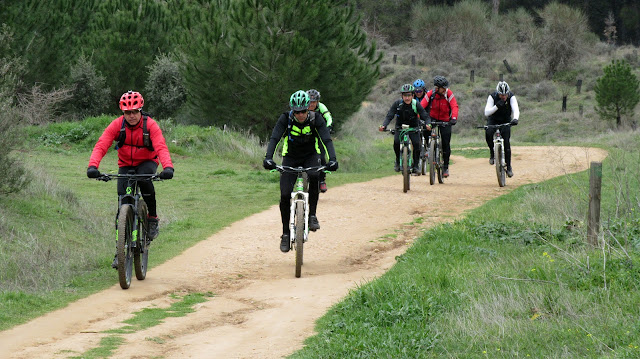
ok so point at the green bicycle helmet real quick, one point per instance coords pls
(407, 88)
(299, 101)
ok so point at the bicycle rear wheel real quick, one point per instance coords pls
(432, 162)
(141, 251)
(299, 238)
(439, 167)
(500, 172)
(406, 175)
(124, 251)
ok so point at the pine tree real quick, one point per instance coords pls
(241, 69)
(617, 91)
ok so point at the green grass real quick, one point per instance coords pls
(144, 319)
(513, 279)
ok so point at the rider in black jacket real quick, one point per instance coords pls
(407, 111)
(501, 107)
(302, 132)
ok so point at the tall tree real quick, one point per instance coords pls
(124, 38)
(617, 91)
(242, 72)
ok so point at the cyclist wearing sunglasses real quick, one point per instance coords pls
(140, 145)
(302, 133)
(442, 106)
(406, 111)
(419, 91)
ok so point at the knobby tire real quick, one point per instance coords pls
(141, 252)
(500, 171)
(299, 238)
(439, 167)
(405, 169)
(123, 247)
(432, 162)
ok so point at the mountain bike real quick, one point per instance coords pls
(436, 163)
(405, 154)
(299, 213)
(498, 151)
(132, 228)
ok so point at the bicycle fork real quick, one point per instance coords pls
(499, 142)
(295, 198)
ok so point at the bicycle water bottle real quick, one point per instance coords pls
(299, 184)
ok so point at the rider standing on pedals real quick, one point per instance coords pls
(443, 107)
(406, 110)
(317, 106)
(303, 132)
(134, 153)
(502, 107)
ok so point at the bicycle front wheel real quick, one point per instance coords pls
(405, 169)
(124, 250)
(500, 172)
(432, 162)
(141, 251)
(439, 167)
(299, 239)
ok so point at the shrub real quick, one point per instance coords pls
(562, 39)
(165, 91)
(89, 92)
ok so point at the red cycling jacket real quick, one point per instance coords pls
(443, 108)
(133, 152)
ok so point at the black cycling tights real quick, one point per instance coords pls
(146, 187)
(505, 132)
(287, 180)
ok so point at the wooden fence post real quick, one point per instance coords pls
(501, 77)
(395, 57)
(472, 77)
(580, 110)
(564, 103)
(413, 60)
(595, 195)
(578, 85)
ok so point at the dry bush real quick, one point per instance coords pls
(561, 41)
(40, 107)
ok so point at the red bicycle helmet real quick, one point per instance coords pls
(131, 100)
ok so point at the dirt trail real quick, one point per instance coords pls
(260, 309)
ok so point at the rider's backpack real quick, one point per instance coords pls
(146, 138)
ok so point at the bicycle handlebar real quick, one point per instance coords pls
(495, 126)
(139, 177)
(300, 169)
(440, 123)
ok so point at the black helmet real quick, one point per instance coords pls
(502, 88)
(440, 81)
(407, 88)
(314, 95)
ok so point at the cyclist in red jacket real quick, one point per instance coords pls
(140, 145)
(442, 106)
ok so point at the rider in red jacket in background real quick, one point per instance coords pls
(133, 153)
(443, 107)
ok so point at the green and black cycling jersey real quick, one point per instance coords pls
(301, 140)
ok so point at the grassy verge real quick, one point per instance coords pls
(514, 279)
